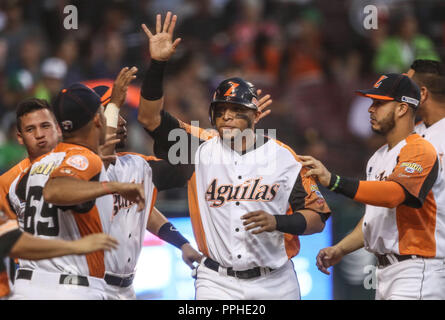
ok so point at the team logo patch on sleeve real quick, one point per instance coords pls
(314, 188)
(78, 162)
(411, 167)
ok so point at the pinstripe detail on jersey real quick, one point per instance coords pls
(195, 216)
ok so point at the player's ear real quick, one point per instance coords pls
(402, 109)
(19, 137)
(423, 94)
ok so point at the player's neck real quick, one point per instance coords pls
(400, 132)
(247, 143)
(435, 113)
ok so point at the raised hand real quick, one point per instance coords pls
(263, 103)
(120, 86)
(162, 45)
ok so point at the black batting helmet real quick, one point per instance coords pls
(236, 91)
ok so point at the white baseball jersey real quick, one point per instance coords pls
(45, 220)
(129, 225)
(412, 227)
(224, 185)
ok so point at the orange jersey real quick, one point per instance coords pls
(45, 220)
(410, 228)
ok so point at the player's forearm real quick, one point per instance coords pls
(155, 221)
(302, 222)
(152, 100)
(66, 191)
(352, 241)
(388, 194)
(34, 248)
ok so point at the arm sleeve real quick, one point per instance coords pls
(166, 176)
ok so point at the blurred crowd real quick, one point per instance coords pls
(310, 55)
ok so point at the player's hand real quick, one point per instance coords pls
(94, 242)
(259, 219)
(133, 192)
(120, 85)
(263, 103)
(190, 255)
(161, 45)
(104, 149)
(328, 257)
(317, 169)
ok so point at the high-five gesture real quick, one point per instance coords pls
(161, 44)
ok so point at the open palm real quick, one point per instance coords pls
(162, 45)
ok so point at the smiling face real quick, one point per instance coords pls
(382, 114)
(39, 132)
(232, 119)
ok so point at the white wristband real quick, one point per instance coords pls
(112, 115)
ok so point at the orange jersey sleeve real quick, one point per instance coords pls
(79, 163)
(313, 200)
(417, 167)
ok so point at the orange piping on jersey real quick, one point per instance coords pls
(147, 158)
(153, 199)
(195, 216)
(388, 194)
(4, 284)
(417, 228)
(89, 223)
(291, 242)
(197, 131)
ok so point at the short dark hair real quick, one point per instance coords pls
(431, 74)
(30, 105)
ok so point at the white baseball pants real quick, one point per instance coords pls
(412, 279)
(279, 284)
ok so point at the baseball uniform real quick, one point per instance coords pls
(68, 277)
(128, 225)
(409, 239)
(223, 185)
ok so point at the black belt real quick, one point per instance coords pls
(244, 274)
(64, 278)
(384, 261)
(119, 281)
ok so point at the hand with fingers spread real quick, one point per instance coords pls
(328, 257)
(162, 45)
(120, 86)
(316, 168)
(263, 103)
(94, 242)
(259, 219)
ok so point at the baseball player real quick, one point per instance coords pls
(128, 223)
(18, 244)
(74, 167)
(246, 220)
(403, 223)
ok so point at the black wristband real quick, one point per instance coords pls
(169, 234)
(294, 224)
(344, 185)
(151, 88)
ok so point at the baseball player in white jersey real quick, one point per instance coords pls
(74, 168)
(247, 208)
(403, 224)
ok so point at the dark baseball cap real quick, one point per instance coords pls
(394, 86)
(75, 106)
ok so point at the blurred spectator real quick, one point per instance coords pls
(11, 152)
(397, 52)
(53, 75)
(68, 51)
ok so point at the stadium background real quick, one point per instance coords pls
(310, 55)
